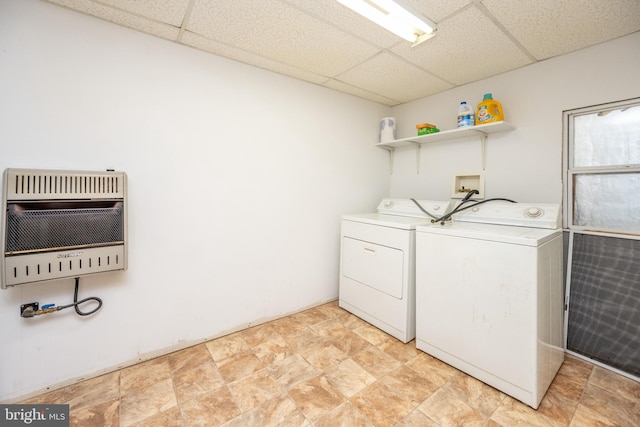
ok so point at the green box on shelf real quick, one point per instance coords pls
(425, 129)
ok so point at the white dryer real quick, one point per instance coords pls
(377, 264)
(489, 295)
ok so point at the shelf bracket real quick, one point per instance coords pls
(483, 143)
(391, 151)
(418, 158)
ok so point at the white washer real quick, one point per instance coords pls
(377, 264)
(489, 295)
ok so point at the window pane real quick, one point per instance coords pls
(607, 138)
(607, 201)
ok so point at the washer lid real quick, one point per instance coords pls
(525, 236)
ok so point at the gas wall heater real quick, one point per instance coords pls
(59, 224)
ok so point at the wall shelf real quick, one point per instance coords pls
(481, 131)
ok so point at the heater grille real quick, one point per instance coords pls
(35, 228)
(62, 224)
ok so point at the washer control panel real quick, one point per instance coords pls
(536, 215)
(533, 212)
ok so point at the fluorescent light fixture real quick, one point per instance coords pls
(410, 25)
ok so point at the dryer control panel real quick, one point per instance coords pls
(408, 207)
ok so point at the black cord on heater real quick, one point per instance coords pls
(76, 303)
(30, 310)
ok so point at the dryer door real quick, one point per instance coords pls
(379, 267)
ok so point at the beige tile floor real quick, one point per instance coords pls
(325, 367)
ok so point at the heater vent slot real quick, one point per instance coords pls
(42, 266)
(36, 185)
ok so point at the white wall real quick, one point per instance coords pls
(524, 164)
(237, 180)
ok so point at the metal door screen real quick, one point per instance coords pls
(604, 301)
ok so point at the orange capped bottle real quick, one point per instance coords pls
(489, 111)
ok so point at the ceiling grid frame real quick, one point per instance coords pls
(334, 47)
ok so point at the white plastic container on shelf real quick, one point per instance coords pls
(466, 116)
(387, 129)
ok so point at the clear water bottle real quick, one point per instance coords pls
(466, 116)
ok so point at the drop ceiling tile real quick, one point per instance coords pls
(548, 28)
(279, 32)
(120, 17)
(467, 47)
(392, 77)
(167, 11)
(436, 10)
(361, 93)
(221, 49)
